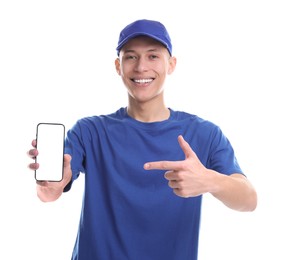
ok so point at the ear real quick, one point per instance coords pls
(117, 66)
(172, 65)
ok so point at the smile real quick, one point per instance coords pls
(142, 81)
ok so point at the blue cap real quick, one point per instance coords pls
(152, 29)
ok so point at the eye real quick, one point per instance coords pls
(130, 57)
(153, 57)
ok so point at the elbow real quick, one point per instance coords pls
(251, 203)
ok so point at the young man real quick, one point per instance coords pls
(146, 165)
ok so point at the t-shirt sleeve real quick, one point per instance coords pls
(74, 147)
(222, 156)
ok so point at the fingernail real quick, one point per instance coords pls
(146, 166)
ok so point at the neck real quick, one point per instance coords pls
(148, 112)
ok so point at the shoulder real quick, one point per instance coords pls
(193, 119)
(197, 128)
(95, 122)
(96, 119)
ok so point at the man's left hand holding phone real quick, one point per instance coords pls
(51, 165)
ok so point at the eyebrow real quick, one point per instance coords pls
(149, 50)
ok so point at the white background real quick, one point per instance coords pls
(57, 65)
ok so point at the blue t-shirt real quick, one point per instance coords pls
(129, 213)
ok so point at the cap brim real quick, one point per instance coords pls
(134, 35)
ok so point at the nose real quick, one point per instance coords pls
(141, 65)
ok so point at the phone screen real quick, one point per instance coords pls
(50, 146)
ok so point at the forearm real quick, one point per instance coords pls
(46, 194)
(51, 191)
(235, 191)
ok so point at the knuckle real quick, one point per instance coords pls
(182, 193)
(163, 165)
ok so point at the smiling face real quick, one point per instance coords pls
(143, 64)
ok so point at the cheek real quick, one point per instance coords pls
(125, 72)
(163, 68)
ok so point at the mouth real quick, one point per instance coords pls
(142, 81)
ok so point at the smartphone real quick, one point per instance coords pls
(50, 146)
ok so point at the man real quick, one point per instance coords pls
(146, 165)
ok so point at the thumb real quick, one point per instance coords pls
(188, 152)
(66, 160)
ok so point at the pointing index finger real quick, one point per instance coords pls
(163, 165)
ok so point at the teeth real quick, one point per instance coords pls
(142, 80)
